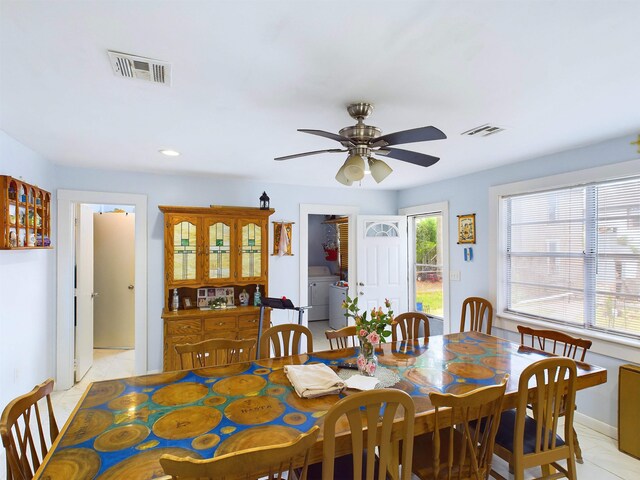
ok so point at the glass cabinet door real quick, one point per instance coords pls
(252, 236)
(218, 259)
(185, 249)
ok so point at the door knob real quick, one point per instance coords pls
(361, 284)
(360, 293)
(130, 287)
(94, 294)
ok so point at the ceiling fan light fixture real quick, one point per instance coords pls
(354, 168)
(340, 176)
(379, 169)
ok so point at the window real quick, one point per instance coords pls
(572, 255)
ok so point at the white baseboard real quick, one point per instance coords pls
(596, 425)
(151, 372)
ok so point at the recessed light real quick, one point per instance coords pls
(169, 153)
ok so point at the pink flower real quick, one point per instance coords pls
(371, 368)
(362, 362)
(374, 338)
(363, 333)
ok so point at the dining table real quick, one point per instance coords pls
(120, 428)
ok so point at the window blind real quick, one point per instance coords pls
(343, 245)
(573, 255)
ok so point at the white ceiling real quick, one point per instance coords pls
(247, 74)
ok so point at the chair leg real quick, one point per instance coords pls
(576, 447)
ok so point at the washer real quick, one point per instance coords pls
(320, 278)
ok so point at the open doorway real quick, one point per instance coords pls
(105, 285)
(66, 279)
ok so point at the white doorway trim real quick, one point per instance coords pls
(423, 210)
(67, 199)
(307, 209)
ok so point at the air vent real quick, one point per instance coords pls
(130, 66)
(483, 131)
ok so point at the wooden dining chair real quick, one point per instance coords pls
(253, 463)
(463, 450)
(478, 308)
(362, 411)
(213, 352)
(526, 442)
(558, 343)
(285, 340)
(341, 337)
(409, 324)
(23, 431)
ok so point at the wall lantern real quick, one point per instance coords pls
(264, 201)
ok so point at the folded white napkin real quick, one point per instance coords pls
(314, 380)
(360, 382)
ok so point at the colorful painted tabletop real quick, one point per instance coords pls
(122, 427)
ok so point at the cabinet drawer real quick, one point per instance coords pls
(220, 323)
(248, 322)
(184, 327)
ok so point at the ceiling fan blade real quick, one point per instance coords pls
(332, 136)
(422, 134)
(416, 158)
(305, 154)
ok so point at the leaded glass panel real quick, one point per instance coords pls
(184, 251)
(219, 250)
(251, 250)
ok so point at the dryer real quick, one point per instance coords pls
(320, 278)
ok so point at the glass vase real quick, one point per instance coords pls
(367, 359)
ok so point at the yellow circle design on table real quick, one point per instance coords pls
(275, 391)
(128, 401)
(261, 371)
(311, 404)
(85, 425)
(214, 401)
(254, 410)
(470, 370)
(223, 370)
(294, 418)
(318, 414)
(203, 442)
(156, 379)
(264, 436)
(148, 445)
(228, 430)
(138, 466)
(120, 438)
(102, 392)
(465, 348)
(180, 394)
(187, 422)
(279, 377)
(240, 385)
(73, 463)
(275, 363)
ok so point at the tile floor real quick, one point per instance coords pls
(603, 461)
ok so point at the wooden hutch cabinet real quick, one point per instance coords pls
(211, 248)
(25, 215)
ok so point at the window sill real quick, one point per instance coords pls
(622, 348)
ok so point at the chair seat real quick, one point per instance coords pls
(343, 468)
(504, 437)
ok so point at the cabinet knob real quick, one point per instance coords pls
(220, 324)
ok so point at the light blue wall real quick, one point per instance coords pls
(27, 289)
(204, 191)
(470, 194)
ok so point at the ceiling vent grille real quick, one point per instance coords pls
(483, 131)
(148, 69)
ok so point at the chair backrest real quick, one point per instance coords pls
(478, 308)
(213, 352)
(285, 340)
(409, 324)
(558, 342)
(464, 450)
(363, 410)
(554, 396)
(22, 428)
(252, 463)
(341, 337)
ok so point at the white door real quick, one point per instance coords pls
(381, 244)
(84, 290)
(114, 273)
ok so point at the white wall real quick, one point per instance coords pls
(470, 194)
(204, 191)
(27, 289)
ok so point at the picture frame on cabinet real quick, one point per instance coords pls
(186, 303)
(202, 293)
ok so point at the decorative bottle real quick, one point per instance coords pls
(257, 296)
(175, 302)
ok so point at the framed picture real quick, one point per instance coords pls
(203, 302)
(226, 293)
(211, 292)
(202, 292)
(467, 228)
(186, 302)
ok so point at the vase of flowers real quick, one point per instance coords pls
(372, 329)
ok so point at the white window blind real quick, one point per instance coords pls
(573, 255)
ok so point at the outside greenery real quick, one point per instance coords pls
(428, 266)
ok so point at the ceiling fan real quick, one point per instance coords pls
(363, 141)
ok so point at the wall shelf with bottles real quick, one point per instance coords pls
(25, 215)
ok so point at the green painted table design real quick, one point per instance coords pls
(122, 427)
